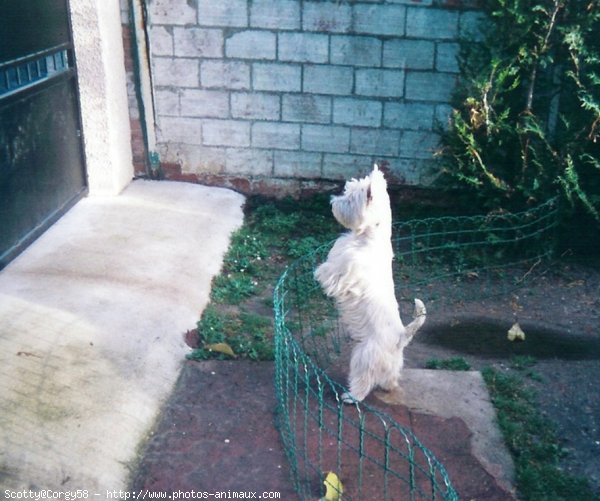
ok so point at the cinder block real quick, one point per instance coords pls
(446, 57)
(413, 116)
(166, 102)
(431, 23)
(161, 41)
(326, 138)
(418, 144)
(197, 42)
(232, 13)
(179, 130)
(327, 79)
(249, 162)
(276, 135)
(378, 142)
(337, 166)
(328, 17)
(471, 24)
(407, 171)
(225, 74)
(255, 105)
(350, 111)
(408, 54)
(424, 86)
(193, 158)
(204, 103)
(280, 15)
(303, 47)
(380, 83)
(379, 19)
(355, 50)
(251, 44)
(175, 72)
(276, 77)
(297, 164)
(306, 108)
(225, 133)
(171, 12)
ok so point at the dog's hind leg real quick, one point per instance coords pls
(360, 385)
(361, 379)
(390, 380)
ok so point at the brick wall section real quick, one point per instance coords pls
(295, 90)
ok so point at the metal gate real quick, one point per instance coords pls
(42, 171)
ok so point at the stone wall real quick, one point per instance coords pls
(254, 93)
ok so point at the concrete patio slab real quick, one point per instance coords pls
(92, 318)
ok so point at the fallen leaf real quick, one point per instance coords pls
(333, 487)
(220, 348)
(515, 333)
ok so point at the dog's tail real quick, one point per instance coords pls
(419, 319)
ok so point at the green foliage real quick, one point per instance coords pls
(274, 233)
(526, 118)
(532, 441)
(451, 364)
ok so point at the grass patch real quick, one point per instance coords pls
(450, 364)
(240, 312)
(533, 443)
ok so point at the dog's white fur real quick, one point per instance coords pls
(358, 275)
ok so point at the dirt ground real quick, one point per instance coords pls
(558, 308)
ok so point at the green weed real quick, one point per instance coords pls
(233, 288)
(451, 364)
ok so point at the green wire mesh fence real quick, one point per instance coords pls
(372, 454)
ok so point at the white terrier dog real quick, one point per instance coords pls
(358, 275)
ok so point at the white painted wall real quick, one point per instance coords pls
(103, 93)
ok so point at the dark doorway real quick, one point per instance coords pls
(42, 170)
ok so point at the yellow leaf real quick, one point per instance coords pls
(515, 333)
(220, 348)
(333, 487)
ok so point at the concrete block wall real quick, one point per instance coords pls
(252, 92)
